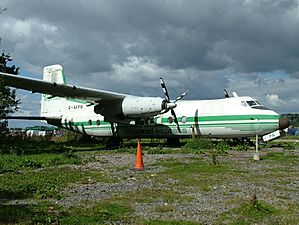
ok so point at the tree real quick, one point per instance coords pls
(8, 101)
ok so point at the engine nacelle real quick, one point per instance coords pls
(132, 107)
(145, 106)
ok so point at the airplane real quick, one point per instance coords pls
(109, 114)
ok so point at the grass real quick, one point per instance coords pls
(161, 222)
(152, 195)
(248, 213)
(42, 145)
(198, 173)
(43, 184)
(100, 213)
(30, 179)
(26, 214)
(104, 212)
(14, 163)
(291, 145)
(261, 212)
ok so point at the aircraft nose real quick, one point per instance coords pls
(283, 123)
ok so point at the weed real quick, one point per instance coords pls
(100, 213)
(214, 155)
(151, 195)
(198, 145)
(50, 214)
(242, 147)
(289, 146)
(124, 149)
(31, 164)
(223, 147)
(161, 222)
(158, 150)
(46, 183)
(199, 173)
(14, 163)
(26, 214)
(281, 156)
(164, 208)
(250, 213)
(70, 154)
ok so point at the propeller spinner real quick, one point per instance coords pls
(170, 105)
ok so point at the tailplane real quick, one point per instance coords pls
(53, 106)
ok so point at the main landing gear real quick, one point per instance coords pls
(114, 142)
(173, 142)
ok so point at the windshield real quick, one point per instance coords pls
(256, 105)
(251, 103)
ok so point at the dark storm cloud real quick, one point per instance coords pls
(126, 45)
(246, 36)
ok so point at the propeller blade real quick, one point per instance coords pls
(163, 85)
(164, 111)
(180, 97)
(175, 120)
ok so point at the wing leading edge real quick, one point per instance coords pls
(60, 90)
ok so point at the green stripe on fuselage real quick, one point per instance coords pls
(226, 118)
(230, 120)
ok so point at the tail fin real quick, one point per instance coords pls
(52, 106)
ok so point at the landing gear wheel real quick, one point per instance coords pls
(114, 142)
(173, 142)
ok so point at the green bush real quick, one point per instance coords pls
(242, 147)
(223, 147)
(289, 146)
(155, 151)
(30, 163)
(199, 145)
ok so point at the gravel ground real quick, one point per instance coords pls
(204, 206)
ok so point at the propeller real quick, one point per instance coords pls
(170, 105)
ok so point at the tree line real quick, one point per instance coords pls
(8, 100)
(293, 118)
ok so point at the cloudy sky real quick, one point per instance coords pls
(202, 46)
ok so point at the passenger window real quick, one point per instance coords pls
(89, 122)
(170, 120)
(184, 119)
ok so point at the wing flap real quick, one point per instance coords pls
(60, 90)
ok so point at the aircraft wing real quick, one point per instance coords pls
(60, 90)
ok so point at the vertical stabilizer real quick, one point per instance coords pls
(53, 106)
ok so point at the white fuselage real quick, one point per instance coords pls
(229, 117)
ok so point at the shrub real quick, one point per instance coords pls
(199, 144)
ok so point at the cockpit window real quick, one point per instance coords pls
(257, 102)
(243, 103)
(251, 103)
(256, 105)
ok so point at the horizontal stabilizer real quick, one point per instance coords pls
(56, 121)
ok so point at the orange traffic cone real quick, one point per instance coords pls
(139, 162)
